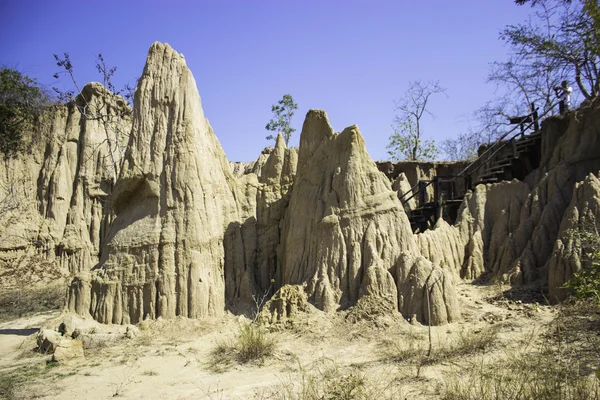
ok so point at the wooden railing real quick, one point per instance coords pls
(524, 123)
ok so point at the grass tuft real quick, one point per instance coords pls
(413, 348)
(326, 380)
(252, 343)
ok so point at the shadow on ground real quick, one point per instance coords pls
(19, 332)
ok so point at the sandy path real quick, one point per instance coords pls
(172, 359)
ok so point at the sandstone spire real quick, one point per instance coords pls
(164, 253)
(345, 229)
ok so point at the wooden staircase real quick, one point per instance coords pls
(523, 159)
(508, 158)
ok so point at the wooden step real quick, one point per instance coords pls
(487, 180)
(495, 171)
(526, 143)
(503, 163)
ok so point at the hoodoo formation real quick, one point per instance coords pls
(155, 222)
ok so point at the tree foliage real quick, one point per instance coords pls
(283, 112)
(22, 101)
(559, 41)
(585, 284)
(463, 147)
(563, 38)
(406, 141)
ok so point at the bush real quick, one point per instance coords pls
(327, 381)
(413, 348)
(542, 375)
(585, 284)
(563, 367)
(252, 343)
(22, 101)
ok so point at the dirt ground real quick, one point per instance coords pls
(175, 359)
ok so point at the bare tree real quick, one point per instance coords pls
(544, 50)
(407, 140)
(106, 111)
(562, 36)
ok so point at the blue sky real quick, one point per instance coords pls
(350, 58)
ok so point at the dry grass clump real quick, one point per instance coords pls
(369, 308)
(326, 380)
(412, 347)
(14, 381)
(252, 343)
(526, 376)
(19, 302)
(564, 367)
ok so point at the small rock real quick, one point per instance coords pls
(68, 350)
(98, 339)
(132, 332)
(47, 340)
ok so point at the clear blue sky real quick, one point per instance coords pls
(350, 58)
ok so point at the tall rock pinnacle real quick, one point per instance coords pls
(164, 254)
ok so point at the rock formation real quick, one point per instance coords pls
(521, 232)
(165, 226)
(164, 252)
(62, 185)
(345, 230)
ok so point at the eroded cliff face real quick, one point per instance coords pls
(571, 249)
(63, 184)
(164, 251)
(144, 212)
(252, 243)
(521, 232)
(345, 232)
(161, 227)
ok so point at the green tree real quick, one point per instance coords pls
(22, 101)
(406, 141)
(559, 41)
(562, 36)
(283, 112)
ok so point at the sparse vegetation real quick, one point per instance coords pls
(413, 348)
(252, 343)
(543, 374)
(150, 372)
(22, 301)
(327, 380)
(22, 101)
(563, 366)
(14, 380)
(122, 381)
(585, 284)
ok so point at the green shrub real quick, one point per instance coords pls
(585, 284)
(21, 103)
